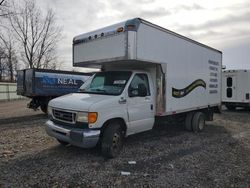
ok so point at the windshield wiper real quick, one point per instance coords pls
(96, 91)
(101, 90)
(81, 91)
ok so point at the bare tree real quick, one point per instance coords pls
(4, 9)
(8, 56)
(1, 2)
(2, 63)
(37, 34)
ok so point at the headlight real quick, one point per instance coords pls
(82, 117)
(49, 110)
(90, 117)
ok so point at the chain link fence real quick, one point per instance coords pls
(8, 91)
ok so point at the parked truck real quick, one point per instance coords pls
(236, 89)
(42, 85)
(148, 73)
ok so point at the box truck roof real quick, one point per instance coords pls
(238, 70)
(129, 25)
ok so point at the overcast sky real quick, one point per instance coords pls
(221, 24)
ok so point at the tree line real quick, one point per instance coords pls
(28, 37)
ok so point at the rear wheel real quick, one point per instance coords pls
(62, 142)
(247, 108)
(230, 107)
(112, 140)
(44, 108)
(188, 121)
(198, 122)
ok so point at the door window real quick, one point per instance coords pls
(229, 81)
(98, 81)
(138, 79)
(229, 85)
(229, 93)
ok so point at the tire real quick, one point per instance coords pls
(44, 108)
(198, 122)
(247, 108)
(229, 107)
(62, 142)
(188, 121)
(112, 140)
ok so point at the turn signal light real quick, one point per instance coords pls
(92, 117)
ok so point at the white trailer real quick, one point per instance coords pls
(148, 73)
(236, 89)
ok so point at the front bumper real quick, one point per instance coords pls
(74, 136)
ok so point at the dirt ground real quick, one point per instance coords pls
(167, 156)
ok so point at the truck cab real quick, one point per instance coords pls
(114, 102)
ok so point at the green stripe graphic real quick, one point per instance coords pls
(179, 93)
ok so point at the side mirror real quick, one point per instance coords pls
(142, 90)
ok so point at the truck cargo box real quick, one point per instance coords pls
(43, 82)
(236, 88)
(190, 71)
(42, 85)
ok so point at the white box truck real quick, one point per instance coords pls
(147, 73)
(236, 89)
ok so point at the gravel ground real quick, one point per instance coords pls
(167, 156)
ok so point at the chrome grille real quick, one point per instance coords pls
(64, 116)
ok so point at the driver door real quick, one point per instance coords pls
(140, 108)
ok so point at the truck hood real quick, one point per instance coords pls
(77, 101)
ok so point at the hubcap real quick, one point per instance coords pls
(116, 141)
(201, 123)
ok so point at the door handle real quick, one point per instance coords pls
(122, 100)
(147, 98)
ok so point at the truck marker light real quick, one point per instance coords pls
(92, 117)
(120, 29)
(130, 27)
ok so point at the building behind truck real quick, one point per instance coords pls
(42, 85)
(236, 89)
(148, 73)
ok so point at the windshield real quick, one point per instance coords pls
(107, 83)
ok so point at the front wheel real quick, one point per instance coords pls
(62, 142)
(112, 140)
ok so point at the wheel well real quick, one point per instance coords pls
(115, 120)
